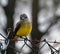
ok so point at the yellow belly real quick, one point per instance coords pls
(24, 30)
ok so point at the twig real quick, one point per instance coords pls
(51, 47)
(3, 36)
(51, 41)
(42, 46)
(25, 41)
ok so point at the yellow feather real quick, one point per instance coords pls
(24, 30)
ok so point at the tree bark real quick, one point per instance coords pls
(36, 34)
(9, 10)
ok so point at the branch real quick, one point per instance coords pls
(52, 23)
(3, 36)
(51, 47)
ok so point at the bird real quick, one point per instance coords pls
(23, 27)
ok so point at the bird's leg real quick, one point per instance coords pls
(25, 38)
(21, 37)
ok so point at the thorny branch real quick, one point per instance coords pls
(25, 43)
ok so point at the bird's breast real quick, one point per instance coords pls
(25, 29)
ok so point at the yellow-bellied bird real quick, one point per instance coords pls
(23, 27)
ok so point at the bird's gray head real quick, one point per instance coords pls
(23, 17)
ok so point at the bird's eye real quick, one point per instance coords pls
(21, 17)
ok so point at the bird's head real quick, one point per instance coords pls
(23, 17)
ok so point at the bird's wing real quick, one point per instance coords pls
(16, 29)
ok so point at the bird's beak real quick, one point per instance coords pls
(26, 19)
